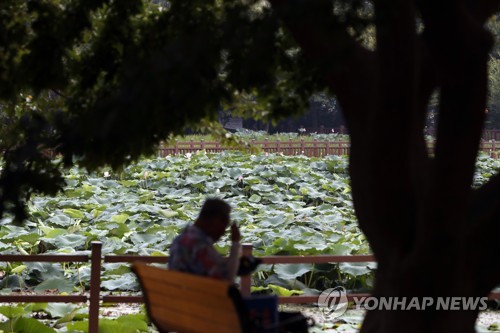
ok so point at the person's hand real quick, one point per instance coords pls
(235, 233)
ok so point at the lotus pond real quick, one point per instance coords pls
(284, 205)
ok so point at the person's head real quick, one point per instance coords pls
(214, 218)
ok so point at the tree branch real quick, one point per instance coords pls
(390, 206)
(58, 93)
(459, 46)
(483, 9)
(344, 63)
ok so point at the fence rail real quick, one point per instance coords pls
(491, 134)
(488, 134)
(94, 297)
(292, 147)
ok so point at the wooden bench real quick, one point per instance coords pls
(180, 302)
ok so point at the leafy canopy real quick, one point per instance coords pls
(102, 83)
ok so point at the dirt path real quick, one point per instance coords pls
(350, 322)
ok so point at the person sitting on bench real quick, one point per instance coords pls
(193, 250)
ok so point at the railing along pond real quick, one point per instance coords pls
(292, 147)
(94, 297)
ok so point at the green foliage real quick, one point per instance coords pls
(283, 204)
(494, 100)
(304, 209)
(246, 136)
(111, 81)
(494, 75)
(486, 167)
(103, 83)
(20, 321)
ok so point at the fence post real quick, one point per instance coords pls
(302, 146)
(95, 286)
(202, 144)
(161, 150)
(176, 150)
(246, 281)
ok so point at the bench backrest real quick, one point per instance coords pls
(180, 302)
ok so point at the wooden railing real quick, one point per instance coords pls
(488, 134)
(492, 134)
(94, 296)
(292, 147)
(313, 148)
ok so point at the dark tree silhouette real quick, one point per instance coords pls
(126, 76)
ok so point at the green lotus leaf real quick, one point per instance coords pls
(67, 241)
(168, 213)
(74, 213)
(28, 325)
(255, 198)
(121, 282)
(137, 321)
(12, 311)
(45, 270)
(341, 249)
(292, 271)
(120, 218)
(59, 310)
(61, 284)
(128, 183)
(357, 268)
(30, 238)
(67, 317)
(116, 269)
(60, 220)
(280, 291)
(119, 230)
(78, 326)
(114, 326)
(19, 269)
(55, 232)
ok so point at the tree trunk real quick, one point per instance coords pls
(422, 276)
(431, 233)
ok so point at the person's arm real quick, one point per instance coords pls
(207, 261)
(233, 260)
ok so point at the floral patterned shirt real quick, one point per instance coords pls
(193, 252)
